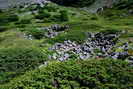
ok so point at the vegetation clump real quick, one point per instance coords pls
(64, 15)
(17, 60)
(28, 53)
(94, 74)
(36, 33)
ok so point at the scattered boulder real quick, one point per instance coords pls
(99, 45)
(130, 58)
(130, 11)
(57, 27)
(49, 32)
(54, 30)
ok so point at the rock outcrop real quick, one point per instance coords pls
(99, 45)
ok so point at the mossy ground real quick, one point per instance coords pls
(79, 21)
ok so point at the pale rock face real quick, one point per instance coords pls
(3, 3)
(9, 3)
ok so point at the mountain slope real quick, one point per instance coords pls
(32, 37)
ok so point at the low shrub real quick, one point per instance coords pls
(94, 74)
(17, 60)
(6, 18)
(55, 18)
(2, 28)
(3, 20)
(42, 15)
(13, 18)
(64, 15)
(50, 8)
(36, 33)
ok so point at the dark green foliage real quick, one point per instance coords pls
(110, 31)
(46, 14)
(36, 33)
(94, 18)
(48, 17)
(2, 28)
(76, 3)
(56, 18)
(6, 18)
(51, 13)
(42, 15)
(50, 8)
(95, 74)
(13, 18)
(3, 19)
(124, 4)
(24, 21)
(64, 15)
(16, 60)
(1, 11)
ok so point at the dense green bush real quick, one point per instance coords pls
(36, 33)
(13, 18)
(50, 8)
(55, 18)
(3, 19)
(43, 14)
(2, 28)
(6, 18)
(16, 60)
(64, 15)
(51, 13)
(94, 74)
(77, 3)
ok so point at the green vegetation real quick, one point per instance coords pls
(20, 56)
(17, 60)
(36, 33)
(43, 15)
(64, 15)
(77, 74)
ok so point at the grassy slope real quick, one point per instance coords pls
(80, 22)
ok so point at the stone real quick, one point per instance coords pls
(130, 11)
(130, 58)
(66, 56)
(115, 56)
(104, 42)
(54, 56)
(123, 55)
(54, 30)
(84, 56)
